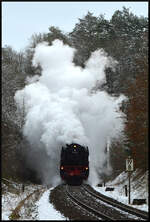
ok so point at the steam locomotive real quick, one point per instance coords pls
(74, 164)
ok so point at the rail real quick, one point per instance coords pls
(88, 208)
(115, 203)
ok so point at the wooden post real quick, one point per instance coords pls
(126, 191)
(129, 199)
(129, 169)
(23, 187)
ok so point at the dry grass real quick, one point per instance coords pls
(15, 213)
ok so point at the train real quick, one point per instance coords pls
(74, 164)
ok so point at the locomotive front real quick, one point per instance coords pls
(74, 164)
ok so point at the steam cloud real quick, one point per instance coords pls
(62, 107)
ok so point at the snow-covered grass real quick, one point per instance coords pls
(139, 189)
(11, 200)
(40, 208)
(32, 210)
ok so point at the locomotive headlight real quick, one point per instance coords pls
(75, 146)
(86, 168)
(61, 167)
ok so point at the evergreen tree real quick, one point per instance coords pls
(56, 33)
(89, 34)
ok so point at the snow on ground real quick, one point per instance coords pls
(11, 200)
(46, 211)
(42, 210)
(139, 190)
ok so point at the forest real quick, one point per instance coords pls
(125, 38)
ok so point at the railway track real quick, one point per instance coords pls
(100, 206)
(89, 209)
(115, 203)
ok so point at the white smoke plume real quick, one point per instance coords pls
(62, 108)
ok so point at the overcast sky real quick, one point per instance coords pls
(22, 19)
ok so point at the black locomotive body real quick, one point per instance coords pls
(74, 164)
